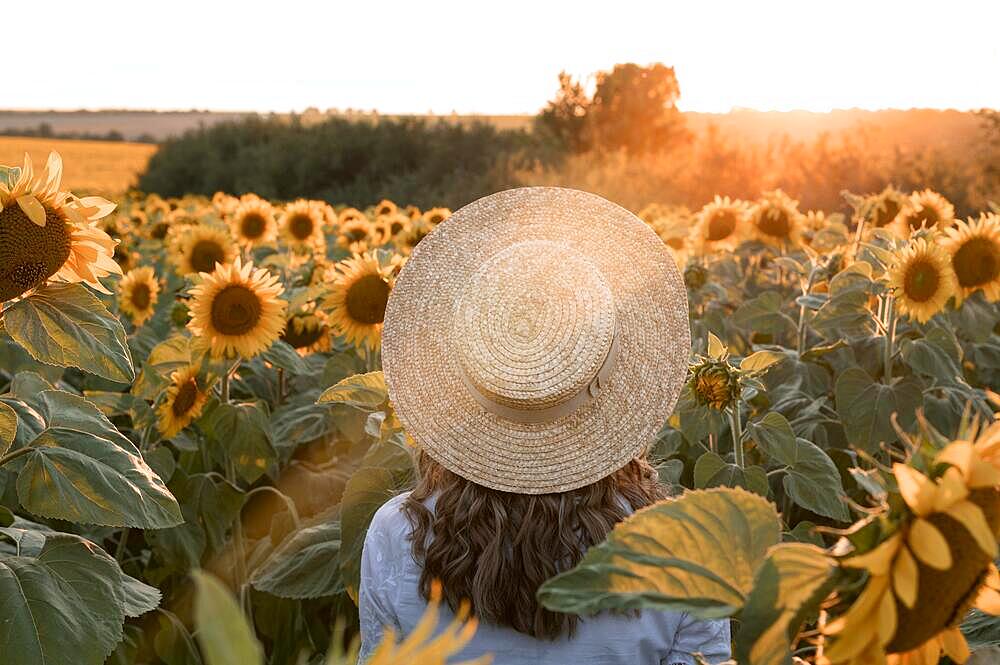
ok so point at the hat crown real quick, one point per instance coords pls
(533, 325)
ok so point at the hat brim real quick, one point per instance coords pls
(423, 372)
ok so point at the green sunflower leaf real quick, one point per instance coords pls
(223, 632)
(306, 565)
(866, 407)
(8, 427)
(68, 326)
(362, 391)
(699, 554)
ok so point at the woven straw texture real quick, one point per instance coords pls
(518, 296)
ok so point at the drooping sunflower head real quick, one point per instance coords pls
(350, 214)
(48, 234)
(974, 251)
(235, 310)
(922, 279)
(720, 224)
(777, 220)
(926, 209)
(125, 258)
(883, 208)
(435, 216)
(138, 293)
(196, 249)
(385, 207)
(302, 225)
(252, 222)
(715, 383)
(307, 330)
(411, 236)
(359, 293)
(931, 562)
(184, 402)
(355, 235)
(225, 204)
(695, 276)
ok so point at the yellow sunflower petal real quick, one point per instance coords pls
(953, 643)
(886, 618)
(988, 600)
(904, 577)
(972, 518)
(992, 577)
(917, 489)
(32, 208)
(951, 490)
(878, 560)
(857, 628)
(929, 545)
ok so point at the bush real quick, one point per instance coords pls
(354, 162)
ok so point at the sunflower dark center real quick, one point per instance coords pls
(301, 226)
(141, 296)
(383, 210)
(30, 254)
(205, 254)
(253, 225)
(926, 216)
(187, 395)
(159, 231)
(921, 281)
(436, 218)
(775, 223)
(304, 339)
(367, 298)
(357, 233)
(977, 262)
(235, 310)
(395, 227)
(885, 214)
(721, 225)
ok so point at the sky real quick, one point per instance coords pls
(501, 57)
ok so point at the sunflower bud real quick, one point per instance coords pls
(695, 276)
(715, 383)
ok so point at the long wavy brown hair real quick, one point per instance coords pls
(496, 548)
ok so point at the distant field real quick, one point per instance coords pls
(88, 166)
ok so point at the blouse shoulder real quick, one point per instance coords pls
(389, 522)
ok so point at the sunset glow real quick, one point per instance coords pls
(504, 57)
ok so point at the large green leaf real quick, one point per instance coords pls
(82, 477)
(362, 391)
(712, 471)
(866, 407)
(223, 632)
(62, 606)
(789, 586)
(696, 554)
(8, 427)
(813, 482)
(306, 565)
(763, 314)
(63, 409)
(68, 326)
(387, 470)
(775, 437)
(243, 433)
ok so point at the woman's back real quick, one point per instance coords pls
(390, 596)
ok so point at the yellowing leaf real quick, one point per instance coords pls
(362, 391)
(223, 632)
(8, 427)
(698, 554)
(761, 360)
(716, 349)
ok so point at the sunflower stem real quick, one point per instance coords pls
(736, 426)
(890, 338)
(857, 238)
(239, 543)
(801, 336)
(14, 455)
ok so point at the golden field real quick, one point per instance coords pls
(107, 167)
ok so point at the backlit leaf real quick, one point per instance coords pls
(698, 554)
(223, 632)
(8, 427)
(306, 565)
(362, 391)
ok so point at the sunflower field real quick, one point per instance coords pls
(195, 432)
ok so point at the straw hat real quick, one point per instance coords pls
(537, 340)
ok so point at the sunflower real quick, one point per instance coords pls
(225, 204)
(125, 258)
(720, 224)
(922, 279)
(397, 224)
(47, 234)
(307, 331)
(435, 216)
(974, 249)
(359, 293)
(776, 219)
(350, 214)
(381, 230)
(933, 567)
(926, 209)
(354, 234)
(302, 226)
(252, 223)
(184, 402)
(196, 249)
(385, 207)
(883, 208)
(138, 293)
(715, 383)
(236, 310)
(411, 236)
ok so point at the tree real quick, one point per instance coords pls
(565, 117)
(635, 108)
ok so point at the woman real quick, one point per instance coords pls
(533, 346)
